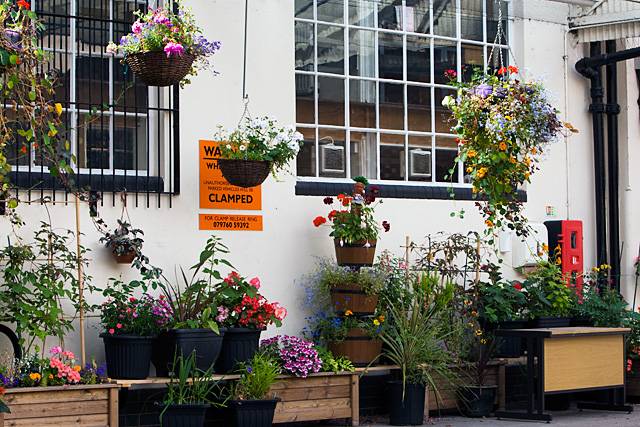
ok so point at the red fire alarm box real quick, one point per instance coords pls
(568, 235)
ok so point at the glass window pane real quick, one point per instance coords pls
(361, 13)
(362, 60)
(129, 94)
(443, 115)
(304, 9)
(444, 58)
(333, 160)
(391, 106)
(446, 152)
(304, 46)
(390, 14)
(130, 143)
(471, 20)
(419, 106)
(92, 81)
(492, 21)
(364, 155)
(306, 160)
(390, 56)
(418, 59)
(472, 60)
(496, 58)
(305, 102)
(392, 159)
(330, 101)
(420, 162)
(417, 16)
(92, 34)
(362, 103)
(331, 11)
(444, 18)
(93, 144)
(330, 49)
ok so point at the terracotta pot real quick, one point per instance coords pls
(349, 296)
(358, 347)
(356, 254)
(125, 258)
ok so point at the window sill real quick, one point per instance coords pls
(394, 191)
(36, 180)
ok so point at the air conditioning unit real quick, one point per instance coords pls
(419, 163)
(332, 159)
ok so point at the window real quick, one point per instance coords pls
(124, 134)
(370, 84)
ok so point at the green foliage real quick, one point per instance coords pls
(256, 378)
(337, 328)
(501, 300)
(36, 277)
(370, 280)
(605, 307)
(548, 293)
(632, 321)
(331, 363)
(123, 240)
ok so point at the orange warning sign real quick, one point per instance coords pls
(230, 222)
(215, 191)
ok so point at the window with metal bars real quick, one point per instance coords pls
(125, 135)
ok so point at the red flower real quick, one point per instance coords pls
(502, 70)
(23, 4)
(517, 286)
(450, 74)
(512, 69)
(629, 365)
(319, 220)
(386, 226)
(328, 200)
(332, 214)
(346, 201)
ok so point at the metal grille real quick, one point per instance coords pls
(124, 134)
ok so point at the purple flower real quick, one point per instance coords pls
(173, 49)
(483, 90)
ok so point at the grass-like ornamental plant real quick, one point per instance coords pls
(504, 126)
(256, 378)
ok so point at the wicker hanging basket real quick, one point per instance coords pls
(156, 69)
(244, 173)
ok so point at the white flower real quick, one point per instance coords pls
(243, 147)
(228, 146)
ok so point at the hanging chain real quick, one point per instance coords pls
(500, 34)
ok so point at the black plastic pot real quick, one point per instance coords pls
(477, 401)
(239, 345)
(204, 342)
(551, 322)
(252, 413)
(410, 411)
(127, 356)
(581, 321)
(190, 415)
(510, 346)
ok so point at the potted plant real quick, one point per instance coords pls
(598, 304)
(550, 300)
(165, 47)
(413, 339)
(249, 404)
(125, 241)
(193, 328)
(245, 313)
(130, 326)
(294, 356)
(353, 227)
(350, 289)
(190, 393)
(258, 146)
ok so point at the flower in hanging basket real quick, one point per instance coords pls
(165, 48)
(258, 146)
(504, 126)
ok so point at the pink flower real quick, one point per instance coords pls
(112, 331)
(56, 350)
(172, 48)
(280, 312)
(69, 354)
(255, 282)
(137, 27)
(119, 326)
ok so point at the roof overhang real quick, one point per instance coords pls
(607, 20)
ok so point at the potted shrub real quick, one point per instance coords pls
(250, 405)
(165, 47)
(354, 290)
(353, 227)
(413, 339)
(550, 301)
(190, 393)
(258, 146)
(130, 326)
(125, 241)
(193, 328)
(245, 313)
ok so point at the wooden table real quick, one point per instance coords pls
(562, 360)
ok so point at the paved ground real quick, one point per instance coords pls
(563, 418)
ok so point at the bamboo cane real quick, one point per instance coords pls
(80, 283)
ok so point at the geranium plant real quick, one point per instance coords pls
(175, 34)
(239, 304)
(144, 316)
(261, 139)
(504, 126)
(295, 356)
(352, 219)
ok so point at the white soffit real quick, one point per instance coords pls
(607, 20)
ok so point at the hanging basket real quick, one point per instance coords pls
(356, 254)
(244, 173)
(156, 69)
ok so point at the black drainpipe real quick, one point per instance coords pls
(591, 67)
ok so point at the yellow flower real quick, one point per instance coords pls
(52, 132)
(489, 223)
(502, 146)
(481, 172)
(34, 376)
(348, 312)
(512, 160)
(471, 153)
(50, 376)
(595, 269)
(469, 169)
(474, 313)
(483, 341)
(376, 322)
(527, 160)
(527, 175)
(534, 150)
(381, 318)
(545, 247)
(558, 261)
(58, 107)
(605, 267)
(478, 332)
(474, 190)
(507, 117)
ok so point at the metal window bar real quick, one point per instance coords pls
(110, 145)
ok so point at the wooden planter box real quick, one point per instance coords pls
(81, 405)
(322, 396)
(448, 399)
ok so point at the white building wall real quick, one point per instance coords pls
(287, 248)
